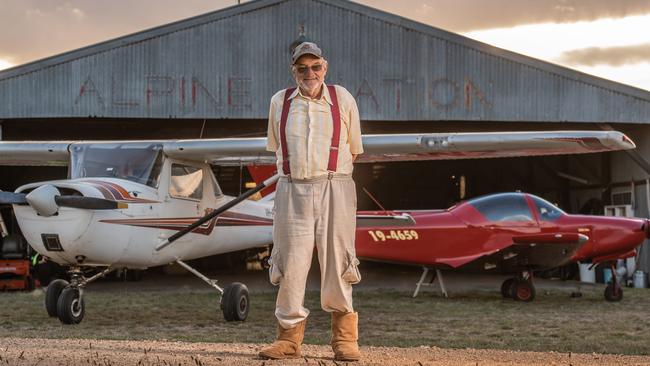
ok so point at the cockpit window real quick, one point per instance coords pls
(546, 210)
(137, 162)
(215, 187)
(186, 182)
(503, 207)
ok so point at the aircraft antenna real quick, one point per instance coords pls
(373, 198)
(202, 128)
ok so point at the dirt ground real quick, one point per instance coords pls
(39, 351)
(21, 351)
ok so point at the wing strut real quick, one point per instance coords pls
(218, 211)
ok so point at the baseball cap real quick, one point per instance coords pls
(305, 48)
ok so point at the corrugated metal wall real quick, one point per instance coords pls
(228, 64)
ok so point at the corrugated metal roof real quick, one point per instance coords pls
(228, 63)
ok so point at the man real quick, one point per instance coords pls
(315, 131)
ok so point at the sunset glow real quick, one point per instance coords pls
(556, 42)
(5, 64)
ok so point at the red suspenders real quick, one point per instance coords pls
(336, 130)
(283, 127)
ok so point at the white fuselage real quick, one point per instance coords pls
(128, 237)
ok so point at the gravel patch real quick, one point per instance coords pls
(30, 351)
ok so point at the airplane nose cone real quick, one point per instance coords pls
(42, 199)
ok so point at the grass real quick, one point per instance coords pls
(553, 322)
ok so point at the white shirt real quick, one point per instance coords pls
(309, 132)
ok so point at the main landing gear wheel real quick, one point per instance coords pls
(613, 292)
(71, 307)
(54, 290)
(235, 302)
(523, 290)
(506, 287)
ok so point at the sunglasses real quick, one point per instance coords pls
(303, 69)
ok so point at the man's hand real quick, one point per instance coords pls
(354, 157)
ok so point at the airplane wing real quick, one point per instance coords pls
(378, 148)
(446, 146)
(411, 147)
(26, 153)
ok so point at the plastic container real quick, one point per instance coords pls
(640, 279)
(586, 274)
(607, 275)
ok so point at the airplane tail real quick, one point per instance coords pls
(260, 173)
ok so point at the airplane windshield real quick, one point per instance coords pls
(137, 162)
(546, 210)
(503, 207)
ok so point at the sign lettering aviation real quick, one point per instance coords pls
(138, 204)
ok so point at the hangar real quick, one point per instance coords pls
(213, 76)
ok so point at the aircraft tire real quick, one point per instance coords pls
(52, 294)
(71, 307)
(609, 293)
(235, 302)
(523, 290)
(506, 288)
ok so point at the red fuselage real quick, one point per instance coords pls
(489, 226)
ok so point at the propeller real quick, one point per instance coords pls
(47, 199)
(11, 198)
(88, 203)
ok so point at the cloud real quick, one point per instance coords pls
(44, 28)
(613, 56)
(468, 15)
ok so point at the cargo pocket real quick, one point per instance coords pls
(275, 273)
(351, 274)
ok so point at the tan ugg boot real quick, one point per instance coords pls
(345, 335)
(287, 345)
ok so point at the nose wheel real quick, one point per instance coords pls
(70, 307)
(64, 299)
(65, 302)
(613, 292)
(52, 294)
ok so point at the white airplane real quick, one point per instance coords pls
(138, 204)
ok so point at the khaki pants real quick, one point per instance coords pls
(318, 212)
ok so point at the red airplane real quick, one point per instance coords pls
(506, 233)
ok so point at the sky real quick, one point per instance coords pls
(607, 38)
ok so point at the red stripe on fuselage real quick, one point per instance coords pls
(180, 223)
(117, 192)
